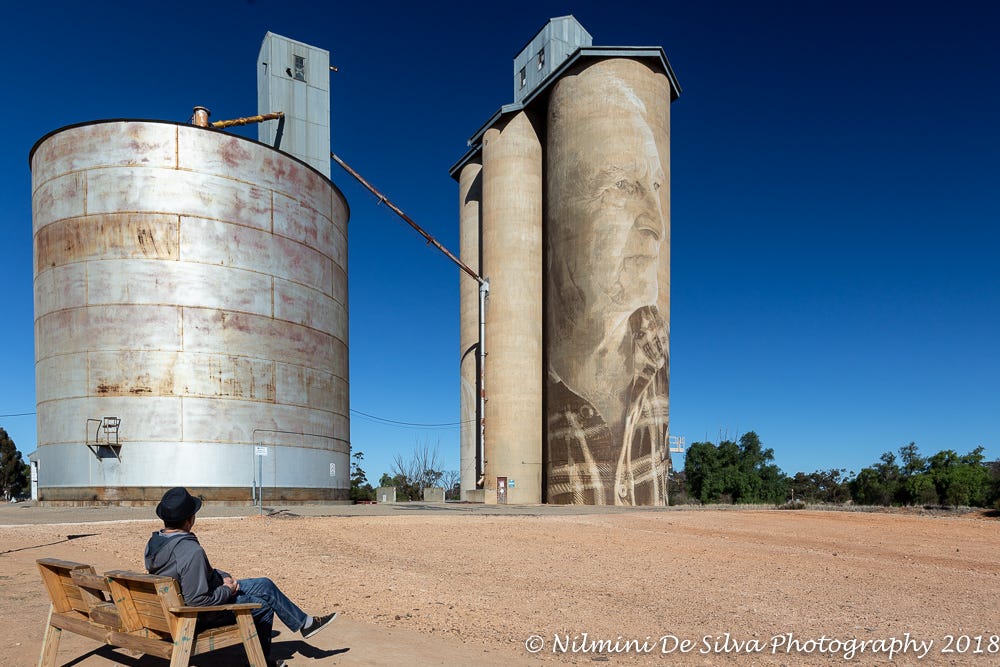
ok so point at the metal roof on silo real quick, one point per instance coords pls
(554, 43)
(654, 55)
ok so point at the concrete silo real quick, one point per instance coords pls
(191, 320)
(575, 241)
(470, 192)
(512, 261)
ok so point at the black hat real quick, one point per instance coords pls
(177, 505)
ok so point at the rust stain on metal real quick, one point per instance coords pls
(109, 236)
(118, 374)
(200, 117)
(233, 152)
(246, 120)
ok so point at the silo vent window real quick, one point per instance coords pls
(522, 77)
(300, 68)
(541, 58)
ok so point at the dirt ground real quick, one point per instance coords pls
(464, 586)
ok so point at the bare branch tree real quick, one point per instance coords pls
(418, 472)
(450, 480)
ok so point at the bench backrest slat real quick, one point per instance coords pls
(63, 591)
(143, 600)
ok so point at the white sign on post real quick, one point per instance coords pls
(260, 451)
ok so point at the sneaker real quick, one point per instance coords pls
(275, 663)
(319, 622)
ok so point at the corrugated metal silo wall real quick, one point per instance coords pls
(192, 284)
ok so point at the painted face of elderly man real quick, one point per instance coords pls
(607, 230)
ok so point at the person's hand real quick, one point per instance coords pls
(232, 584)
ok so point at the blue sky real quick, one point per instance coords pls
(835, 218)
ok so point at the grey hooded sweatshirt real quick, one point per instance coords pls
(179, 555)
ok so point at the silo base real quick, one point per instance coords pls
(150, 495)
(474, 496)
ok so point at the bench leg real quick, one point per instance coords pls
(248, 632)
(184, 642)
(50, 645)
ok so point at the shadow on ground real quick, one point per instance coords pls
(232, 656)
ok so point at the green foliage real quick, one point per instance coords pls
(742, 472)
(993, 499)
(822, 486)
(920, 490)
(15, 474)
(945, 478)
(405, 489)
(878, 484)
(360, 488)
(731, 472)
(960, 480)
(677, 489)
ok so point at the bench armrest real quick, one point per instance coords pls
(215, 607)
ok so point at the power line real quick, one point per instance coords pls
(412, 424)
(19, 414)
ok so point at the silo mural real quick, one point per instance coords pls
(602, 116)
(607, 227)
(191, 299)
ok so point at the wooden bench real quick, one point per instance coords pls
(80, 604)
(145, 613)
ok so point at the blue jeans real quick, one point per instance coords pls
(272, 602)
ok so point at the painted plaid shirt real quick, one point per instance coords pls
(587, 463)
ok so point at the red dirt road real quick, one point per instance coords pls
(468, 587)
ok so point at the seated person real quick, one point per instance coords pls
(175, 552)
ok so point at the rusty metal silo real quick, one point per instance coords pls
(191, 323)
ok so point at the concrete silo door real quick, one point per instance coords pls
(501, 490)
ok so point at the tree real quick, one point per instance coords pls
(411, 476)
(877, 484)
(677, 487)
(913, 463)
(993, 499)
(15, 474)
(960, 480)
(405, 489)
(360, 488)
(946, 477)
(731, 472)
(822, 486)
(452, 483)
(701, 472)
(920, 490)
